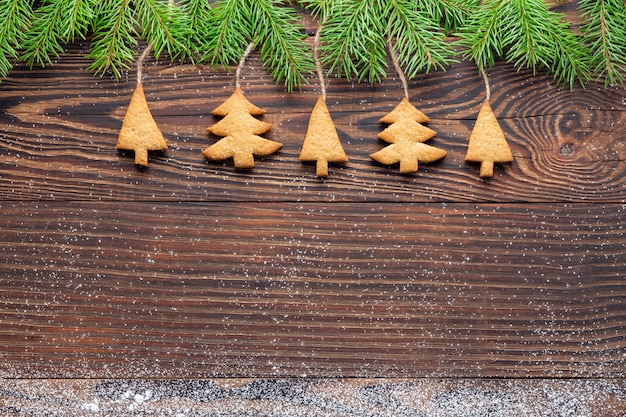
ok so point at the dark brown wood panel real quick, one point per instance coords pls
(100, 289)
(192, 269)
(59, 126)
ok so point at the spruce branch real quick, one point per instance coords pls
(321, 9)
(452, 13)
(200, 19)
(354, 41)
(229, 33)
(164, 26)
(355, 38)
(114, 39)
(283, 49)
(56, 22)
(15, 18)
(270, 24)
(420, 42)
(604, 32)
(527, 34)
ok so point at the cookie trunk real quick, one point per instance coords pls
(322, 167)
(408, 165)
(486, 168)
(141, 157)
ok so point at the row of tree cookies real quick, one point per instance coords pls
(240, 132)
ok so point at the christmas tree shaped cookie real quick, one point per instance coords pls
(487, 143)
(240, 130)
(140, 132)
(406, 134)
(321, 143)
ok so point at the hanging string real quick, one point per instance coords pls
(487, 88)
(145, 53)
(140, 60)
(318, 65)
(396, 64)
(242, 62)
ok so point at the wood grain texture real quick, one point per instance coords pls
(313, 397)
(192, 269)
(95, 289)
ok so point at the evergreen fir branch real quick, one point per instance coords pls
(164, 26)
(527, 34)
(604, 32)
(480, 37)
(268, 23)
(229, 32)
(321, 9)
(15, 18)
(355, 38)
(56, 22)
(354, 41)
(283, 49)
(114, 39)
(420, 44)
(200, 17)
(451, 13)
(539, 37)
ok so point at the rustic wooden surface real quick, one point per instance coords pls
(191, 269)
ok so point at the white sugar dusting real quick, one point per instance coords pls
(315, 397)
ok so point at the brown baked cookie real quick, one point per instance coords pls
(321, 143)
(487, 143)
(140, 132)
(241, 130)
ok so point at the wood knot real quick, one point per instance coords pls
(566, 149)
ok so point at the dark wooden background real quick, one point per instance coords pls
(191, 269)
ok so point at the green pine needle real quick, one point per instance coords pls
(605, 34)
(199, 18)
(354, 41)
(15, 18)
(527, 34)
(56, 22)
(451, 12)
(283, 49)
(115, 38)
(268, 23)
(229, 32)
(420, 43)
(355, 38)
(163, 26)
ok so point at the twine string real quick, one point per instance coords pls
(318, 65)
(242, 62)
(396, 64)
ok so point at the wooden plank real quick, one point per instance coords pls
(59, 127)
(314, 397)
(166, 290)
